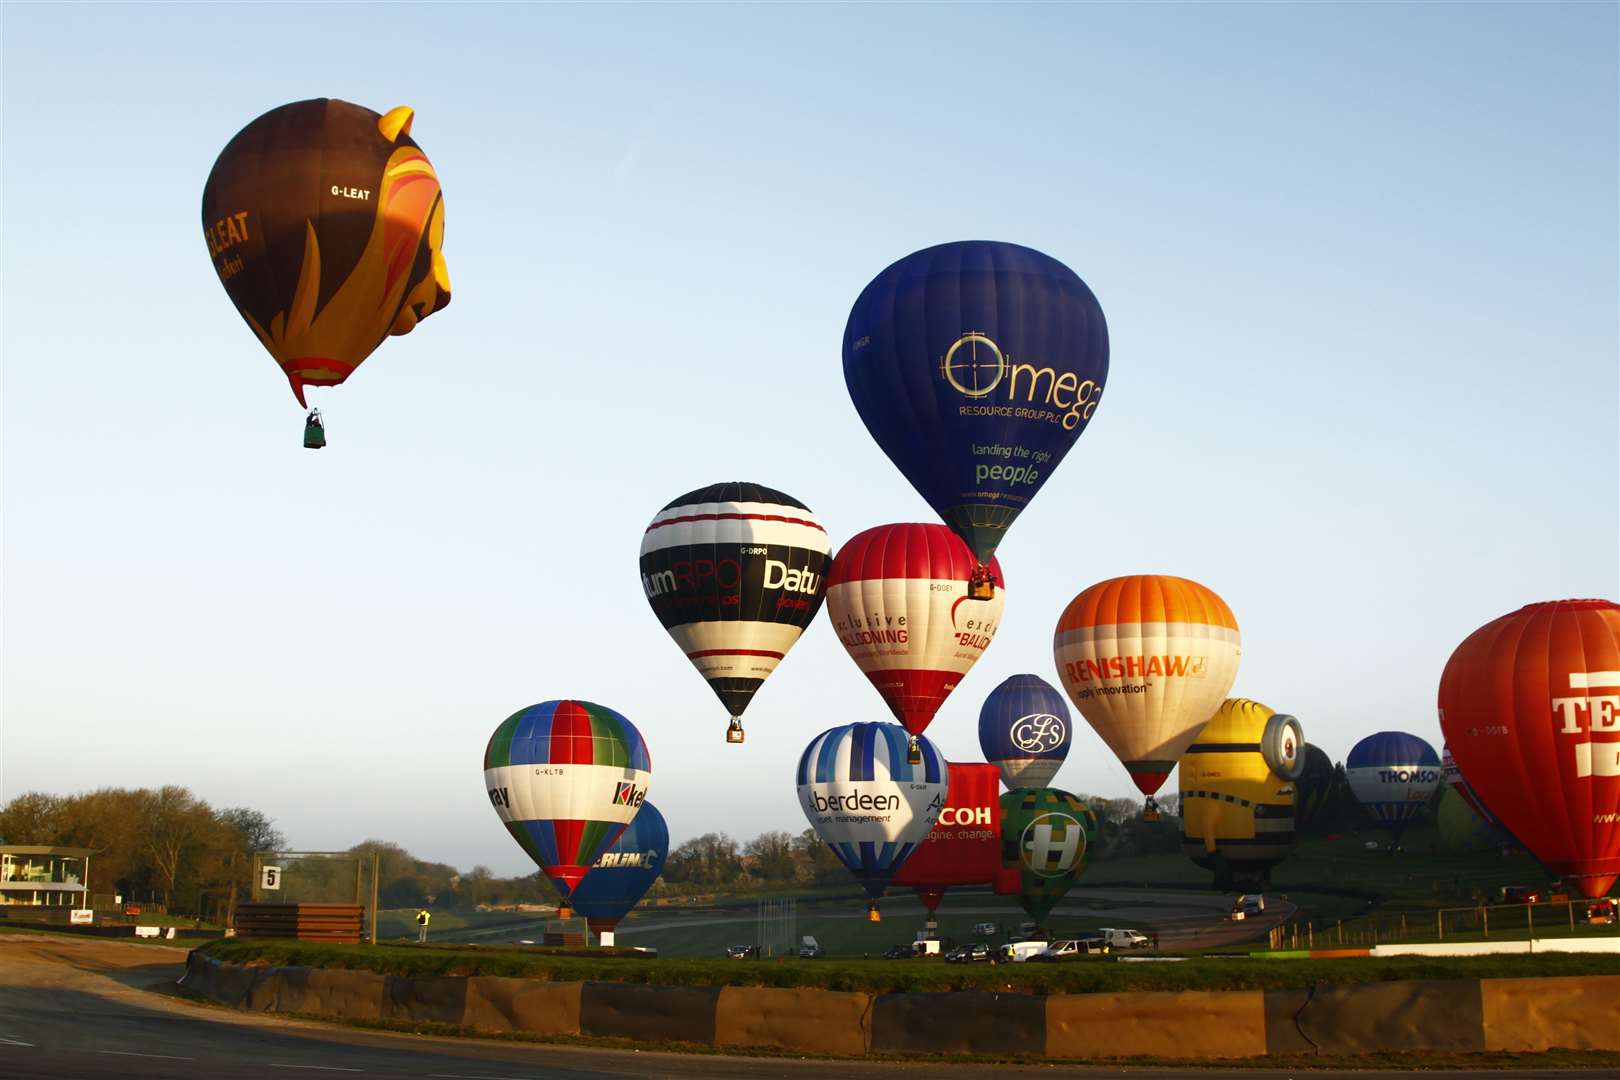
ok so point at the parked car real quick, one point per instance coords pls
(1071, 949)
(976, 953)
(1125, 939)
(809, 948)
(925, 947)
(742, 952)
(985, 929)
(1602, 912)
(899, 952)
(1016, 952)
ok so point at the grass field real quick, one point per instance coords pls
(1085, 976)
(1332, 882)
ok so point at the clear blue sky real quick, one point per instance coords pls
(1359, 264)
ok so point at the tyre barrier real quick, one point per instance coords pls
(1449, 1016)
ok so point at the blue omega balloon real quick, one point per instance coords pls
(1024, 730)
(623, 873)
(976, 365)
(1393, 775)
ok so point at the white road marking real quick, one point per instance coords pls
(475, 1076)
(13, 1042)
(324, 1068)
(131, 1053)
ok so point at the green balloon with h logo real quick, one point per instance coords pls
(1045, 836)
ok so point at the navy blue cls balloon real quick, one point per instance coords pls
(1024, 729)
(1393, 775)
(975, 366)
(623, 873)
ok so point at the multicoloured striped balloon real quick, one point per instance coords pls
(735, 572)
(1393, 775)
(566, 777)
(898, 599)
(866, 801)
(1147, 659)
(1025, 730)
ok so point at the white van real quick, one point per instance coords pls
(1016, 952)
(809, 948)
(1125, 939)
(925, 947)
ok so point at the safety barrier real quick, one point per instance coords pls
(1460, 1015)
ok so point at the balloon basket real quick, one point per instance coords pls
(1150, 812)
(734, 733)
(565, 912)
(873, 914)
(913, 754)
(980, 586)
(314, 431)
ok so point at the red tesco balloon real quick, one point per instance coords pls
(1530, 704)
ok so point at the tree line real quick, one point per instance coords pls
(166, 846)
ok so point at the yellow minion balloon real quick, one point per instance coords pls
(1237, 792)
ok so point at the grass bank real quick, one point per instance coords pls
(1086, 976)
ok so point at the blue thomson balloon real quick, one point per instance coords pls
(975, 366)
(1393, 774)
(622, 874)
(1024, 730)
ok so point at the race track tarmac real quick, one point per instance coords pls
(98, 1010)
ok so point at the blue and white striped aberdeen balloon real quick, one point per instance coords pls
(869, 804)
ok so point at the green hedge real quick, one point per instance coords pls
(1089, 975)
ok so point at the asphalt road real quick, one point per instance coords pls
(96, 1010)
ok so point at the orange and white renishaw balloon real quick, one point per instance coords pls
(1147, 659)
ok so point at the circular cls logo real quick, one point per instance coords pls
(973, 365)
(1036, 733)
(1052, 845)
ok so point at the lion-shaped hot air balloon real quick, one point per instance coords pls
(325, 224)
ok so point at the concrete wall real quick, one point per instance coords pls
(1464, 1015)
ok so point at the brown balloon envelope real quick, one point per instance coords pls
(325, 222)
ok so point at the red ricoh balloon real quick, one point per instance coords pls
(1530, 705)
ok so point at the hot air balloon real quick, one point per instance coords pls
(1237, 792)
(1454, 780)
(867, 801)
(1024, 730)
(1045, 835)
(734, 572)
(1147, 660)
(964, 846)
(898, 601)
(1462, 831)
(1393, 774)
(1317, 779)
(622, 874)
(1530, 705)
(975, 366)
(325, 223)
(566, 777)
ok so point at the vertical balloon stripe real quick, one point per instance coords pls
(827, 757)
